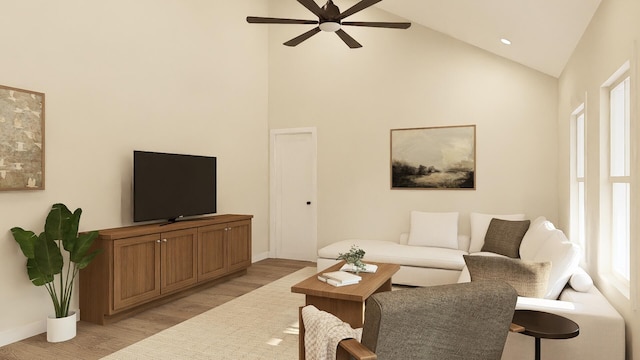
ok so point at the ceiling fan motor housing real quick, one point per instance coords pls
(330, 11)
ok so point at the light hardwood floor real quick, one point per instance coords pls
(95, 341)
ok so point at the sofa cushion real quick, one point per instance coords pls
(392, 252)
(539, 231)
(504, 237)
(404, 239)
(463, 240)
(529, 278)
(434, 229)
(564, 257)
(480, 224)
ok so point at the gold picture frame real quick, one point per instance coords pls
(21, 139)
(434, 158)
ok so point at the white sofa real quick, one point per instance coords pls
(432, 254)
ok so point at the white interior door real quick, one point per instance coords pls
(293, 194)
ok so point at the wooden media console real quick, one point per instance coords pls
(142, 266)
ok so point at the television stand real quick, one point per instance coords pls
(142, 266)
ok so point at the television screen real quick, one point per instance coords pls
(170, 186)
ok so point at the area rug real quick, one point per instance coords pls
(261, 325)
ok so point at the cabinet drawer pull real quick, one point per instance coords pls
(164, 240)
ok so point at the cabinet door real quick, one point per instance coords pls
(212, 252)
(239, 244)
(136, 270)
(179, 249)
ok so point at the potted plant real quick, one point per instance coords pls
(45, 263)
(354, 258)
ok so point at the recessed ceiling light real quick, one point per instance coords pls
(505, 41)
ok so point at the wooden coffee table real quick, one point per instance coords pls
(544, 325)
(345, 302)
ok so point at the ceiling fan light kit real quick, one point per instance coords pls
(330, 20)
(330, 26)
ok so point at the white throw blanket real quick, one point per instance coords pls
(323, 332)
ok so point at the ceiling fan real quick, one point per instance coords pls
(330, 19)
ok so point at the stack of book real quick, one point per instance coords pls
(339, 278)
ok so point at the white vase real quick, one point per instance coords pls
(61, 329)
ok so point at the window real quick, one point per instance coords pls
(620, 177)
(618, 174)
(578, 194)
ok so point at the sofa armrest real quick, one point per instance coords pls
(574, 304)
(352, 348)
(602, 329)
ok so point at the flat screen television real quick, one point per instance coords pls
(172, 186)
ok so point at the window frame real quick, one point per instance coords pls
(609, 180)
(578, 182)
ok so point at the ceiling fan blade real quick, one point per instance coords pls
(357, 7)
(313, 7)
(390, 25)
(269, 20)
(298, 39)
(351, 42)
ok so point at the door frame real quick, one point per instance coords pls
(274, 194)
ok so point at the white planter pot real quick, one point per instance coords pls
(61, 329)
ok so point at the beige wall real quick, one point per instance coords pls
(182, 76)
(192, 76)
(403, 79)
(610, 40)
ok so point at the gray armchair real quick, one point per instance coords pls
(460, 321)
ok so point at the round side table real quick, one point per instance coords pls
(543, 325)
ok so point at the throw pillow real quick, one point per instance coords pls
(529, 278)
(434, 229)
(539, 231)
(464, 274)
(480, 224)
(504, 237)
(581, 281)
(564, 255)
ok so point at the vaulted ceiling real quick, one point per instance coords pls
(543, 33)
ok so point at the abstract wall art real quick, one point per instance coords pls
(21, 139)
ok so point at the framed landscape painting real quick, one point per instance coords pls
(21, 139)
(434, 158)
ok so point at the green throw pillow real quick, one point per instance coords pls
(504, 237)
(529, 278)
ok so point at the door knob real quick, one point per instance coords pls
(308, 202)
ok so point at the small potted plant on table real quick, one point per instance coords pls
(354, 259)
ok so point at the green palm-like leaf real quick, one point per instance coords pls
(35, 275)
(70, 239)
(48, 257)
(82, 244)
(26, 239)
(87, 259)
(54, 225)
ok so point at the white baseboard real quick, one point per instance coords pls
(26, 331)
(20, 333)
(261, 256)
